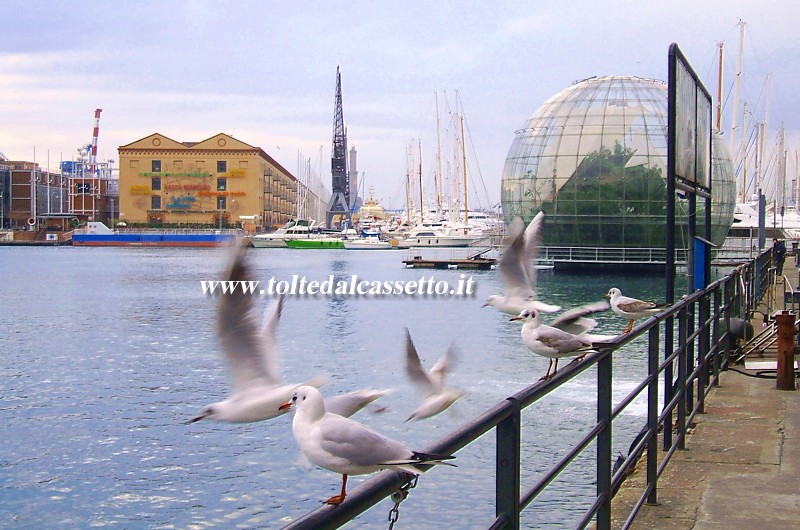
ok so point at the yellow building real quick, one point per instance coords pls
(220, 181)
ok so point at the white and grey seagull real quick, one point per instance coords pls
(553, 342)
(344, 446)
(632, 308)
(517, 269)
(436, 396)
(251, 353)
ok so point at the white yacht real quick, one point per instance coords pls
(294, 229)
(441, 235)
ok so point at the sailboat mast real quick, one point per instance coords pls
(719, 90)
(438, 176)
(737, 88)
(464, 165)
(421, 204)
(744, 154)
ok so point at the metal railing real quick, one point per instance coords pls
(679, 376)
(609, 255)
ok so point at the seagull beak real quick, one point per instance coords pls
(285, 406)
(514, 318)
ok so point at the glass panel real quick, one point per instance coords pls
(594, 159)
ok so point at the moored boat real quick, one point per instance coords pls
(96, 234)
(367, 243)
(294, 229)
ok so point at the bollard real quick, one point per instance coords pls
(786, 332)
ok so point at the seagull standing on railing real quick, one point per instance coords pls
(632, 308)
(345, 446)
(555, 343)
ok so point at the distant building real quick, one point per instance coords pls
(593, 158)
(32, 197)
(217, 182)
(352, 172)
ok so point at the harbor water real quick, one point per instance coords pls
(105, 353)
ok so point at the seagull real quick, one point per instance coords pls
(631, 308)
(251, 353)
(552, 342)
(436, 396)
(344, 446)
(516, 269)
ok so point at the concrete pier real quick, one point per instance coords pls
(741, 466)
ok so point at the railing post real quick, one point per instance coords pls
(604, 405)
(652, 415)
(669, 377)
(702, 349)
(719, 349)
(691, 318)
(507, 472)
(785, 379)
(683, 317)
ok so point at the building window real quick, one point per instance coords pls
(155, 183)
(221, 203)
(222, 166)
(222, 184)
(155, 166)
(83, 188)
(155, 202)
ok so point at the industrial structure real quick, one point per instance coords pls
(36, 200)
(339, 207)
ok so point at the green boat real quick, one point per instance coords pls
(321, 242)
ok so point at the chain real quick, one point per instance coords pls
(398, 497)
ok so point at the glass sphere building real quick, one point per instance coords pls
(594, 159)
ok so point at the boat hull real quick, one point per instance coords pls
(365, 245)
(436, 241)
(322, 242)
(150, 240)
(260, 242)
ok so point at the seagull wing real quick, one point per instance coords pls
(445, 364)
(561, 341)
(574, 321)
(533, 241)
(414, 368)
(348, 404)
(346, 439)
(269, 329)
(632, 305)
(514, 270)
(239, 333)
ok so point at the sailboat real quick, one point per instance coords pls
(442, 228)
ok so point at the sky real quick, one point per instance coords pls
(265, 73)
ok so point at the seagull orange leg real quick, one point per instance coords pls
(546, 376)
(629, 328)
(336, 500)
